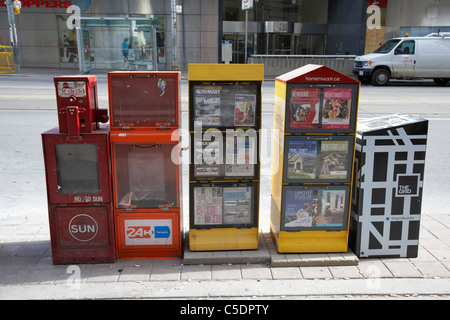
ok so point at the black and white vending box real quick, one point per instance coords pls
(388, 186)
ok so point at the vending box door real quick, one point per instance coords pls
(144, 99)
(145, 172)
(230, 155)
(82, 234)
(77, 91)
(77, 170)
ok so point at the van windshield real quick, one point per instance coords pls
(388, 46)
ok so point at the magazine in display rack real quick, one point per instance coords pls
(223, 205)
(228, 155)
(318, 159)
(225, 104)
(321, 108)
(315, 208)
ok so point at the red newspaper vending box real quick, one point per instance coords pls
(144, 109)
(79, 196)
(78, 176)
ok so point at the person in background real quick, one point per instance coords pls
(124, 53)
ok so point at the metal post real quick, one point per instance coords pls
(13, 34)
(246, 35)
(174, 35)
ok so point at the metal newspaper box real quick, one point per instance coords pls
(145, 116)
(224, 172)
(388, 187)
(313, 149)
(77, 166)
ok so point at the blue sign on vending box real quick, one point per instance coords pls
(162, 232)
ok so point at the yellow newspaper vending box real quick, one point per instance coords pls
(313, 148)
(224, 173)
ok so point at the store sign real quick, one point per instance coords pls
(247, 4)
(41, 3)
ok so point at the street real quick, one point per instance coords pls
(28, 108)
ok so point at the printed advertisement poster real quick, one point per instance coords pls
(207, 105)
(241, 155)
(225, 105)
(302, 159)
(207, 158)
(305, 104)
(237, 205)
(244, 110)
(336, 108)
(331, 208)
(208, 202)
(148, 232)
(315, 208)
(334, 156)
(300, 208)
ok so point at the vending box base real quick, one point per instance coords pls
(223, 239)
(148, 235)
(82, 234)
(311, 241)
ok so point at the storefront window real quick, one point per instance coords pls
(102, 41)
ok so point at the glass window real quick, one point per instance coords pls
(77, 168)
(146, 177)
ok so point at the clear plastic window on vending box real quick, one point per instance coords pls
(321, 107)
(145, 176)
(143, 99)
(224, 155)
(77, 168)
(224, 104)
(319, 159)
(315, 208)
(223, 205)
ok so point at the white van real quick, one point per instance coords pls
(407, 58)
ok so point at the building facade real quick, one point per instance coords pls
(274, 27)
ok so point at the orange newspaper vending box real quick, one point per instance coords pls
(144, 109)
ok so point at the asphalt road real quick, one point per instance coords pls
(28, 108)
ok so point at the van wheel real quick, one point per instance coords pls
(441, 81)
(380, 77)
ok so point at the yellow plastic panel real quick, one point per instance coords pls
(225, 72)
(223, 239)
(312, 241)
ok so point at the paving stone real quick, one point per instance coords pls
(166, 271)
(431, 269)
(135, 273)
(256, 272)
(345, 272)
(279, 273)
(316, 273)
(373, 269)
(226, 272)
(402, 269)
(196, 272)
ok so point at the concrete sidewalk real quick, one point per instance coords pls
(27, 272)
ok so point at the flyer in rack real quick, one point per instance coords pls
(336, 108)
(305, 103)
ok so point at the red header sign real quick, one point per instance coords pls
(41, 3)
